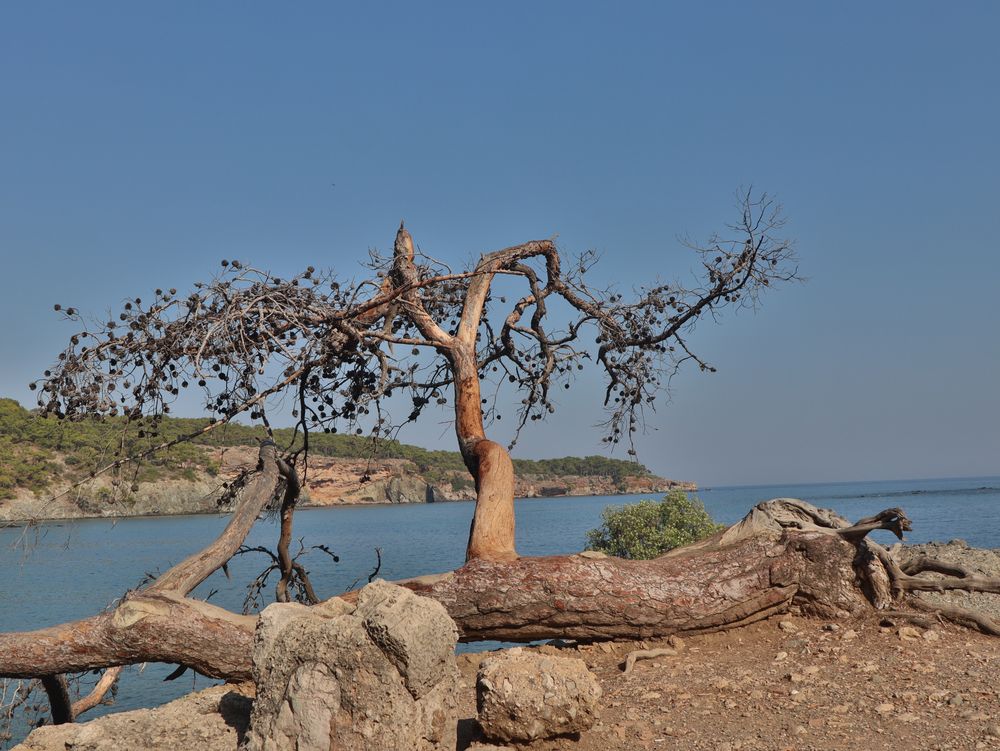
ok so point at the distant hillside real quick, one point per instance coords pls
(38, 457)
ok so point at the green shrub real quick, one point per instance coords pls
(25, 466)
(648, 529)
(462, 483)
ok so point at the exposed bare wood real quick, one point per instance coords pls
(893, 520)
(492, 533)
(96, 696)
(962, 616)
(646, 654)
(192, 571)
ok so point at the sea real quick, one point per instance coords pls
(66, 570)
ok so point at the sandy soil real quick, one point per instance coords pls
(793, 683)
(800, 684)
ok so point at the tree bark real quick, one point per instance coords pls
(491, 535)
(595, 597)
(151, 627)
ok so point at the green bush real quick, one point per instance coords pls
(24, 466)
(462, 483)
(648, 529)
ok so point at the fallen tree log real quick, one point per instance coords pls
(785, 554)
(150, 627)
(593, 597)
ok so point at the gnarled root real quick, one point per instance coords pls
(646, 654)
(887, 582)
(905, 578)
(959, 615)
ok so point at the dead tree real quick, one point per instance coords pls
(417, 327)
(420, 328)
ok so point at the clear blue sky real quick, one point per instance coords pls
(140, 143)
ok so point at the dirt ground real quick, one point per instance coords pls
(790, 683)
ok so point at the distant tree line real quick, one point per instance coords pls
(36, 452)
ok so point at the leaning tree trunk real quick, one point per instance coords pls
(491, 536)
(587, 596)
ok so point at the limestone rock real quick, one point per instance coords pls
(523, 697)
(210, 720)
(381, 677)
(417, 639)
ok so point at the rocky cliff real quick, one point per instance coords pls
(328, 482)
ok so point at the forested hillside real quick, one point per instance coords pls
(40, 454)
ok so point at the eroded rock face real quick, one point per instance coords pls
(378, 677)
(524, 697)
(210, 720)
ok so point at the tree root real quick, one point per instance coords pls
(905, 578)
(955, 577)
(646, 654)
(886, 581)
(959, 615)
(889, 618)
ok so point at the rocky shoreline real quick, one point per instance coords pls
(328, 482)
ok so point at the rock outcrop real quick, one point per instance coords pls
(524, 696)
(211, 720)
(377, 677)
(331, 481)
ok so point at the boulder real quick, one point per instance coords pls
(417, 639)
(377, 677)
(523, 697)
(210, 720)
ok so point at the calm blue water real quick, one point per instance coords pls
(64, 571)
